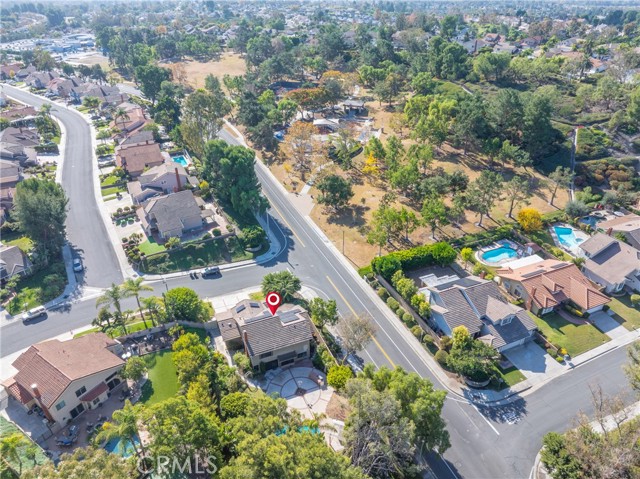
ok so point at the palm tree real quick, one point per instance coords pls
(120, 114)
(123, 424)
(10, 449)
(152, 305)
(113, 296)
(133, 287)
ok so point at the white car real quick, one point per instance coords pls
(77, 265)
(34, 313)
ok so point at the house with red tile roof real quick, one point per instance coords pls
(546, 285)
(66, 378)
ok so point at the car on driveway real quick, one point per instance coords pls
(77, 265)
(211, 271)
(34, 313)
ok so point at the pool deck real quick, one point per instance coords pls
(578, 233)
(503, 243)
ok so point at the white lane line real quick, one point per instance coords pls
(446, 463)
(485, 419)
(468, 417)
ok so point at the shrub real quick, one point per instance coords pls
(557, 252)
(530, 219)
(253, 236)
(576, 209)
(560, 359)
(216, 232)
(382, 293)
(445, 343)
(562, 351)
(407, 317)
(401, 312)
(442, 357)
(424, 310)
(242, 362)
(427, 339)
(417, 331)
(551, 352)
(338, 376)
(635, 300)
(393, 304)
(440, 254)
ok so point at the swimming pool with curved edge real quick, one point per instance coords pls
(498, 255)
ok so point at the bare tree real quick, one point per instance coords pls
(356, 332)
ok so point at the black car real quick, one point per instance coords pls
(211, 271)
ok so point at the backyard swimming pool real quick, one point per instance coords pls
(498, 255)
(121, 447)
(181, 160)
(591, 221)
(567, 237)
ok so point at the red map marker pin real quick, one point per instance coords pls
(274, 300)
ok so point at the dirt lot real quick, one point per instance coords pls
(92, 59)
(193, 73)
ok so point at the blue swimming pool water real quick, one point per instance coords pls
(121, 447)
(567, 237)
(499, 254)
(181, 160)
(591, 221)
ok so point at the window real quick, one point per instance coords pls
(266, 355)
(96, 401)
(506, 320)
(81, 391)
(60, 405)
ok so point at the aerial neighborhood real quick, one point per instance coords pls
(285, 239)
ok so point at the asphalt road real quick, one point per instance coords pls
(86, 231)
(486, 443)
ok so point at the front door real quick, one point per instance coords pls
(77, 410)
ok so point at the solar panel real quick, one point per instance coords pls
(240, 308)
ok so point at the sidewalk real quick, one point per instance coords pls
(491, 398)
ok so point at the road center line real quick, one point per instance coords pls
(287, 223)
(355, 314)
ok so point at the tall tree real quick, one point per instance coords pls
(282, 282)
(561, 177)
(303, 148)
(124, 424)
(40, 209)
(356, 332)
(133, 287)
(485, 191)
(86, 462)
(202, 118)
(518, 191)
(113, 297)
(435, 214)
(150, 78)
(335, 192)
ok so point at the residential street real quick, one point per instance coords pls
(498, 442)
(86, 232)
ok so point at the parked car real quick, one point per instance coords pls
(211, 271)
(355, 363)
(34, 313)
(77, 265)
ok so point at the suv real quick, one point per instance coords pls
(211, 271)
(34, 313)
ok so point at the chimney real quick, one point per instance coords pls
(483, 274)
(36, 391)
(179, 187)
(609, 231)
(245, 341)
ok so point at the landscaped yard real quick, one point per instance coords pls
(151, 247)
(575, 338)
(162, 380)
(6, 429)
(39, 288)
(626, 314)
(115, 332)
(22, 242)
(511, 376)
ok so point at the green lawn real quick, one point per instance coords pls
(7, 428)
(575, 338)
(39, 288)
(163, 379)
(110, 180)
(626, 314)
(511, 376)
(151, 247)
(22, 242)
(115, 332)
(113, 190)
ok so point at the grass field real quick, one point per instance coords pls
(151, 247)
(162, 380)
(626, 314)
(193, 73)
(575, 338)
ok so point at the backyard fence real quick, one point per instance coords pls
(209, 326)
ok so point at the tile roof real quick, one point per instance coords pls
(552, 282)
(170, 211)
(518, 328)
(610, 259)
(95, 392)
(459, 311)
(270, 333)
(136, 158)
(54, 364)
(629, 222)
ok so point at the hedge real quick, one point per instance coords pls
(440, 254)
(484, 238)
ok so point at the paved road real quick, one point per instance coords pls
(485, 444)
(86, 232)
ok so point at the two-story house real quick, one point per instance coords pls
(271, 340)
(169, 177)
(173, 215)
(546, 285)
(138, 157)
(478, 305)
(611, 263)
(66, 378)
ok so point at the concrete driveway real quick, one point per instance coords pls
(608, 325)
(533, 362)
